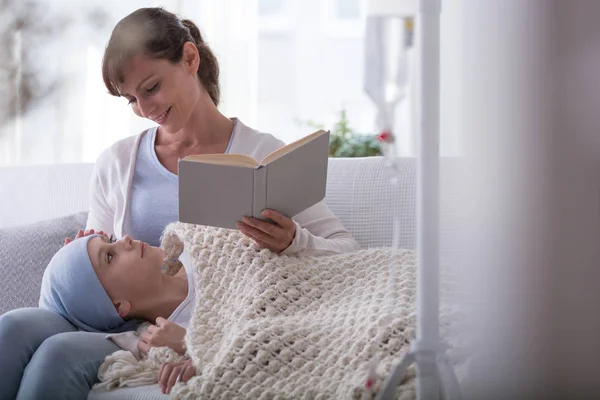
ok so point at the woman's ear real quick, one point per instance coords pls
(191, 57)
(123, 308)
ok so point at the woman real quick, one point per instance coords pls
(168, 74)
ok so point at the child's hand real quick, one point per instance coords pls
(81, 234)
(171, 373)
(164, 333)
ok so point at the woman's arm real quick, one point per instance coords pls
(312, 232)
(319, 231)
(101, 215)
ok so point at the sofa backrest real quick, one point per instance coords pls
(36, 193)
(358, 192)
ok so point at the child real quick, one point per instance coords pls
(102, 285)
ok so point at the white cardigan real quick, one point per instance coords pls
(318, 230)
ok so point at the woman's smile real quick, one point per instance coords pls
(162, 118)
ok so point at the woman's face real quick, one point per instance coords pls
(128, 269)
(161, 91)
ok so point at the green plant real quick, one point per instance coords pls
(345, 142)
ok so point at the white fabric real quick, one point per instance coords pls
(123, 369)
(111, 181)
(266, 325)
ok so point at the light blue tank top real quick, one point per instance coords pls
(154, 202)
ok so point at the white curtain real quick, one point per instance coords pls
(294, 63)
(80, 119)
(231, 29)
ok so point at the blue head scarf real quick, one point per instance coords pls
(71, 288)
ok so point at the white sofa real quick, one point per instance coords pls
(358, 192)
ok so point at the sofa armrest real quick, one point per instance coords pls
(24, 254)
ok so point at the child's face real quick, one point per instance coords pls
(128, 269)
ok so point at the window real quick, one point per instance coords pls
(275, 16)
(344, 18)
(269, 8)
(348, 9)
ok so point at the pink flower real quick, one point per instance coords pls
(385, 136)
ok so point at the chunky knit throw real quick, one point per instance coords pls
(267, 326)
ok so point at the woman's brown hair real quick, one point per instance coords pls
(158, 34)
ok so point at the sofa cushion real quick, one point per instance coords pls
(24, 254)
(360, 194)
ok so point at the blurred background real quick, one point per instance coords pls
(287, 67)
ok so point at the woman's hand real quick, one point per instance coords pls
(275, 237)
(169, 372)
(81, 234)
(164, 333)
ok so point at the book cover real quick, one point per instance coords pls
(218, 190)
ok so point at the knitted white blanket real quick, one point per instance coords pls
(268, 326)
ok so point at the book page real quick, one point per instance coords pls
(236, 160)
(291, 147)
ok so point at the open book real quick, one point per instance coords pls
(220, 189)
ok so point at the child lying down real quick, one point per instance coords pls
(103, 285)
(261, 324)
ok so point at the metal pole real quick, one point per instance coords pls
(427, 344)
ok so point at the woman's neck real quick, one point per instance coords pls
(165, 299)
(206, 127)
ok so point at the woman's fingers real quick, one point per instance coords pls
(255, 232)
(81, 233)
(261, 243)
(265, 227)
(274, 237)
(277, 217)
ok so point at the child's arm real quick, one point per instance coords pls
(172, 373)
(164, 333)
